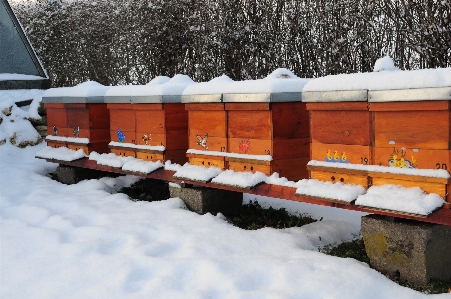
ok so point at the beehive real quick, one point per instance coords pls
(412, 129)
(250, 125)
(147, 123)
(207, 130)
(341, 132)
(388, 118)
(77, 117)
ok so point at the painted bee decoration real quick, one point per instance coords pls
(146, 138)
(202, 141)
(76, 131)
(55, 131)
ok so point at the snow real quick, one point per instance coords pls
(337, 191)
(60, 153)
(230, 155)
(240, 179)
(158, 86)
(196, 173)
(68, 139)
(434, 173)
(127, 163)
(275, 179)
(158, 148)
(85, 89)
(385, 64)
(87, 241)
(110, 159)
(141, 166)
(158, 80)
(168, 165)
(6, 77)
(398, 198)
(16, 125)
(383, 80)
(281, 80)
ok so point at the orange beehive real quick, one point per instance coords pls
(269, 127)
(146, 123)
(416, 131)
(262, 130)
(341, 132)
(412, 129)
(207, 131)
(77, 118)
(56, 118)
(405, 128)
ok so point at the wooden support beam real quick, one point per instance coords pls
(442, 216)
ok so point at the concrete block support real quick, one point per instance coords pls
(408, 250)
(72, 175)
(207, 200)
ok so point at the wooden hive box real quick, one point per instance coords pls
(207, 130)
(412, 129)
(252, 125)
(77, 117)
(272, 124)
(340, 128)
(147, 123)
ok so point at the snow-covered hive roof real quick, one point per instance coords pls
(280, 86)
(161, 89)
(387, 83)
(87, 92)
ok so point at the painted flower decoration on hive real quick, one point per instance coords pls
(245, 145)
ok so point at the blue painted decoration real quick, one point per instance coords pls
(120, 136)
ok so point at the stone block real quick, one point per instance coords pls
(206, 200)
(72, 175)
(408, 250)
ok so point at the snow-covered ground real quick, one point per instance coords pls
(87, 241)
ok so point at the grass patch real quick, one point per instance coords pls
(356, 250)
(435, 286)
(253, 216)
(147, 190)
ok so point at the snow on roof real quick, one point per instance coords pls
(160, 90)
(61, 153)
(337, 191)
(398, 198)
(196, 173)
(385, 77)
(136, 90)
(385, 64)
(281, 80)
(158, 86)
(158, 80)
(89, 91)
(7, 77)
